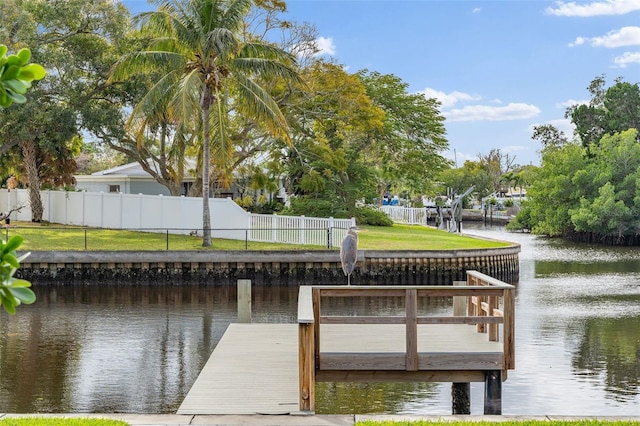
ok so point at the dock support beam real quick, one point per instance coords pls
(493, 392)
(461, 398)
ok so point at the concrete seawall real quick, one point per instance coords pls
(268, 268)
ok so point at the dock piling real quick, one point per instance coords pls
(244, 301)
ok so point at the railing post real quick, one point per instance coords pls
(411, 314)
(306, 349)
(492, 303)
(306, 367)
(508, 329)
(459, 302)
(244, 301)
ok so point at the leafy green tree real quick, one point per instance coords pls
(549, 136)
(611, 110)
(472, 173)
(203, 66)
(553, 191)
(77, 42)
(590, 197)
(333, 127)
(405, 153)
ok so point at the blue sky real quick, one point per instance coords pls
(499, 67)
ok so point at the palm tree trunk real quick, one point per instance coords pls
(206, 215)
(31, 170)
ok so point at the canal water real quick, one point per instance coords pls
(138, 349)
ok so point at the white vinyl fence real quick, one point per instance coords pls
(408, 215)
(299, 229)
(176, 215)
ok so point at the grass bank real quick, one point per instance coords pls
(397, 237)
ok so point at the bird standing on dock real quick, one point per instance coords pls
(349, 253)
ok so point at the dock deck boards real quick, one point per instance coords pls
(254, 368)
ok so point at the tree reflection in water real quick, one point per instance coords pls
(610, 348)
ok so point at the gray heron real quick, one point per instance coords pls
(349, 253)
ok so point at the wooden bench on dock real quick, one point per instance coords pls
(474, 344)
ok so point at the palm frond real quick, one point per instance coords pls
(144, 62)
(234, 15)
(267, 69)
(255, 101)
(222, 146)
(222, 42)
(153, 104)
(266, 51)
(185, 104)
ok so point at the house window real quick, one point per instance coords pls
(114, 188)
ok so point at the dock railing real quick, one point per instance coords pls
(483, 296)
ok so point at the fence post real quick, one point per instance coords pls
(328, 237)
(331, 225)
(244, 301)
(301, 227)
(274, 235)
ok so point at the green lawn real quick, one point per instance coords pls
(397, 237)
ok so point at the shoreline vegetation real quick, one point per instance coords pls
(47, 237)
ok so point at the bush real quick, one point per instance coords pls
(371, 216)
(522, 221)
(313, 207)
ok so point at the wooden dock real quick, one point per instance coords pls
(254, 368)
(273, 368)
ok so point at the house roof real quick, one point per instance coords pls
(135, 169)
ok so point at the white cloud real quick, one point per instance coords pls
(325, 46)
(627, 58)
(626, 36)
(476, 10)
(449, 99)
(571, 102)
(512, 111)
(595, 8)
(579, 41)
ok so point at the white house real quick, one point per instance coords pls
(133, 179)
(127, 179)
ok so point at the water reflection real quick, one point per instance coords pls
(96, 348)
(610, 350)
(359, 398)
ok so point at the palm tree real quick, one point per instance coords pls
(205, 68)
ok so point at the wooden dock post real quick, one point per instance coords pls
(244, 301)
(306, 349)
(460, 392)
(461, 398)
(493, 393)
